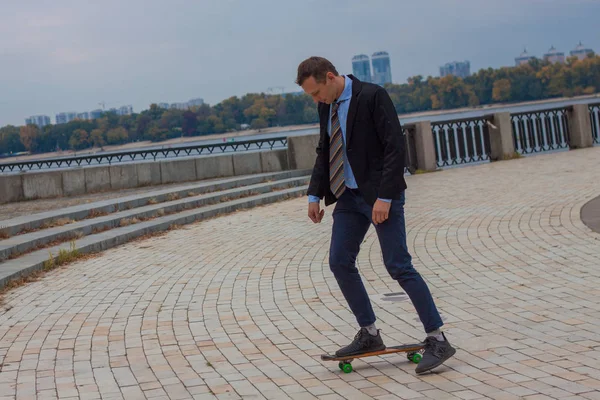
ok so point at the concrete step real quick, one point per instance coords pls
(30, 241)
(26, 223)
(34, 261)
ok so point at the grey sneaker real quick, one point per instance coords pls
(436, 353)
(363, 342)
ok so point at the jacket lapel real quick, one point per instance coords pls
(323, 115)
(356, 88)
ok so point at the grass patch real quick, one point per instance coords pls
(172, 196)
(96, 213)
(64, 256)
(128, 221)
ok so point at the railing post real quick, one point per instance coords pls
(502, 144)
(425, 147)
(580, 127)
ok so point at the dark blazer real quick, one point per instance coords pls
(375, 146)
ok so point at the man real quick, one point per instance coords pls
(360, 167)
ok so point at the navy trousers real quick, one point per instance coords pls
(351, 220)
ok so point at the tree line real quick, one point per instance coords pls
(536, 80)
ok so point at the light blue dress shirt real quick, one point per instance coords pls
(344, 101)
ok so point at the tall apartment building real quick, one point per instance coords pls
(554, 56)
(382, 70)
(39, 120)
(361, 67)
(64, 117)
(523, 58)
(460, 69)
(581, 52)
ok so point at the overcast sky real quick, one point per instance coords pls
(69, 55)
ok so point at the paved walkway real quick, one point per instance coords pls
(243, 305)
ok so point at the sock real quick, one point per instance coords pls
(371, 329)
(437, 334)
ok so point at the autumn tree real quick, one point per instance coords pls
(10, 141)
(501, 90)
(97, 138)
(29, 135)
(116, 135)
(189, 123)
(79, 139)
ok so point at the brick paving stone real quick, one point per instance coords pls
(241, 306)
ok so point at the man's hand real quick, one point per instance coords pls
(381, 211)
(313, 212)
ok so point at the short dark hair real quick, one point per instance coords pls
(317, 67)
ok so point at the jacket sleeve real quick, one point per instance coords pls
(316, 186)
(390, 134)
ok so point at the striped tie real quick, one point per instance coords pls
(336, 157)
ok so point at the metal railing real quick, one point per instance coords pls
(461, 141)
(595, 121)
(543, 130)
(150, 154)
(411, 149)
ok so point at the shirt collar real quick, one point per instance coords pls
(347, 93)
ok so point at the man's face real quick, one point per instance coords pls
(320, 92)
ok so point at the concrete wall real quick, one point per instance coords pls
(81, 180)
(301, 151)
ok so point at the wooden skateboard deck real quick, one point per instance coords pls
(413, 354)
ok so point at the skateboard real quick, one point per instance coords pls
(413, 353)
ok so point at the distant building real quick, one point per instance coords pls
(361, 67)
(382, 70)
(182, 105)
(581, 52)
(84, 116)
(179, 106)
(554, 56)
(460, 69)
(125, 110)
(196, 102)
(523, 58)
(39, 120)
(95, 114)
(65, 117)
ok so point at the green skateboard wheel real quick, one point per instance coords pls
(416, 358)
(347, 367)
